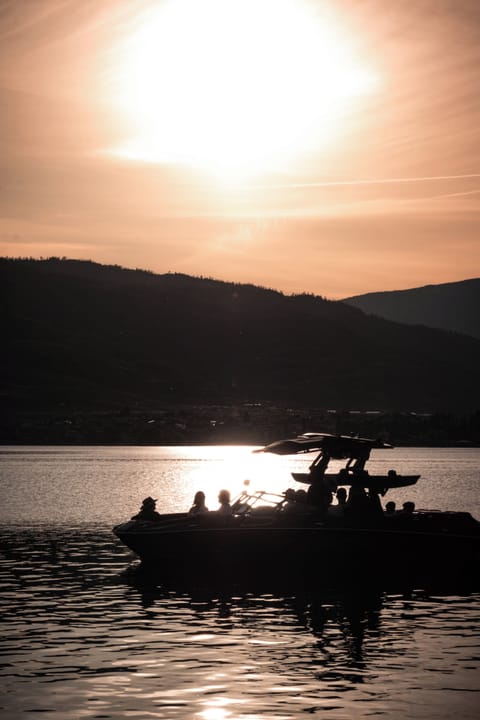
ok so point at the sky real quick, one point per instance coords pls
(320, 146)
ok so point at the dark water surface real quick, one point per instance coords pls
(86, 634)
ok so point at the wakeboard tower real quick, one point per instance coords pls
(352, 448)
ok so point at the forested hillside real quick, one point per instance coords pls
(91, 336)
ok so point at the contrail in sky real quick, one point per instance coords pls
(382, 181)
(456, 194)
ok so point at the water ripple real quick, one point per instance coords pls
(87, 635)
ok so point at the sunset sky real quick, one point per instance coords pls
(320, 146)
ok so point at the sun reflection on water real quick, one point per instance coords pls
(107, 484)
(217, 708)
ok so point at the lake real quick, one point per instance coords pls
(87, 635)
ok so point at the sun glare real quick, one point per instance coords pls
(235, 87)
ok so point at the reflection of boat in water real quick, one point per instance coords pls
(268, 533)
(262, 606)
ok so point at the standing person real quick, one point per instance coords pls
(224, 500)
(198, 506)
(320, 495)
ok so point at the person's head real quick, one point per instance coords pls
(199, 498)
(149, 503)
(301, 496)
(224, 496)
(341, 495)
(390, 506)
(408, 506)
(289, 494)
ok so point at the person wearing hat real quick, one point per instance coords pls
(147, 511)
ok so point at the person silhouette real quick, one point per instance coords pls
(198, 506)
(338, 510)
(224, 500)
(147, 511)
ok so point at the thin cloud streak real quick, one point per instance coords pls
(369, 181)
(453, 195)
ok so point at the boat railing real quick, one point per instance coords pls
(256, 501)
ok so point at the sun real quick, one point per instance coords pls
(235, 87)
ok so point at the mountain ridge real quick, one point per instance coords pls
(453, 306)
(91, 335)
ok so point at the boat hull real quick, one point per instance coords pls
(306, 548)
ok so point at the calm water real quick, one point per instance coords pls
(86, 635)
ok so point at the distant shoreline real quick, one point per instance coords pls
(256, 425)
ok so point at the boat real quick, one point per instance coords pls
(275, 533)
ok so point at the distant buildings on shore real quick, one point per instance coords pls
(250, 423)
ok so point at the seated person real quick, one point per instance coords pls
(290, 503)
(390, 508)
(301, 497)
(147, 511)
(408, 508)
(341, 496)
(339, 508)
(224, 500)
(198, 506)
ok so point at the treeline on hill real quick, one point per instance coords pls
(84, 336)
